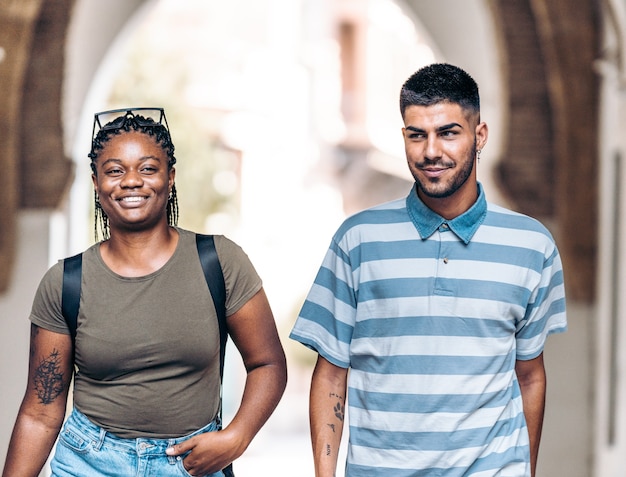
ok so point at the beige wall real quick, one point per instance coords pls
(609, 333)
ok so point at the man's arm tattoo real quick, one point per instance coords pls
(48, 378)
(339, 407)
(339, 411)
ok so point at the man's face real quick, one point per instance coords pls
(441, 143)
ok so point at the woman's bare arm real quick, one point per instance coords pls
(43, 407)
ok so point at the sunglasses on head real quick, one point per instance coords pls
(116, 119)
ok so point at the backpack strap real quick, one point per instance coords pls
(70, 297)
(215, 280)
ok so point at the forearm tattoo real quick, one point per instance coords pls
(339, 408)
(339, 411)
(48, 379)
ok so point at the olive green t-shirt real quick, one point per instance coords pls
(147, 348)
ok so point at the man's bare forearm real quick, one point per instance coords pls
(327, 413)
(532, 379)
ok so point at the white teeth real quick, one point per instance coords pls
(132, 199)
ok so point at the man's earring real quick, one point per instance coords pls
(478, 151)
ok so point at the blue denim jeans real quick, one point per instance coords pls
(87, 450)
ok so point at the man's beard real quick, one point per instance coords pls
(457, 181)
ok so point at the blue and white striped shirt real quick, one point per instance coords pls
(430, 316)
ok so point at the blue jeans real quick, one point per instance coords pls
(87, 450)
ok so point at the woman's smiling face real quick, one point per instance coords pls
(133, 181)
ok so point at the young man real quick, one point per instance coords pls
(439, 305)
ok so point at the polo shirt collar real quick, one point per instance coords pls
(464, 226)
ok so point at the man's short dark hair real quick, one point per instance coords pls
(437, 83)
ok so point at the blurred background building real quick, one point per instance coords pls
(285, 118)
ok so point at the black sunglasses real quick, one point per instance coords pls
(116, 119)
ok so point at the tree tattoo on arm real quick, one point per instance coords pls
(48, 379)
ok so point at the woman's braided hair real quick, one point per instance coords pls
(132, 122)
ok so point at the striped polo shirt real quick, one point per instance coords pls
(430, 316)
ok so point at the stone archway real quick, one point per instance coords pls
(547, 50)
(35, 170)
(551, 156)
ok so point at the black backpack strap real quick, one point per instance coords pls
(70, 297)
(215, 281)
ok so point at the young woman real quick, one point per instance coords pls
(146, 355)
